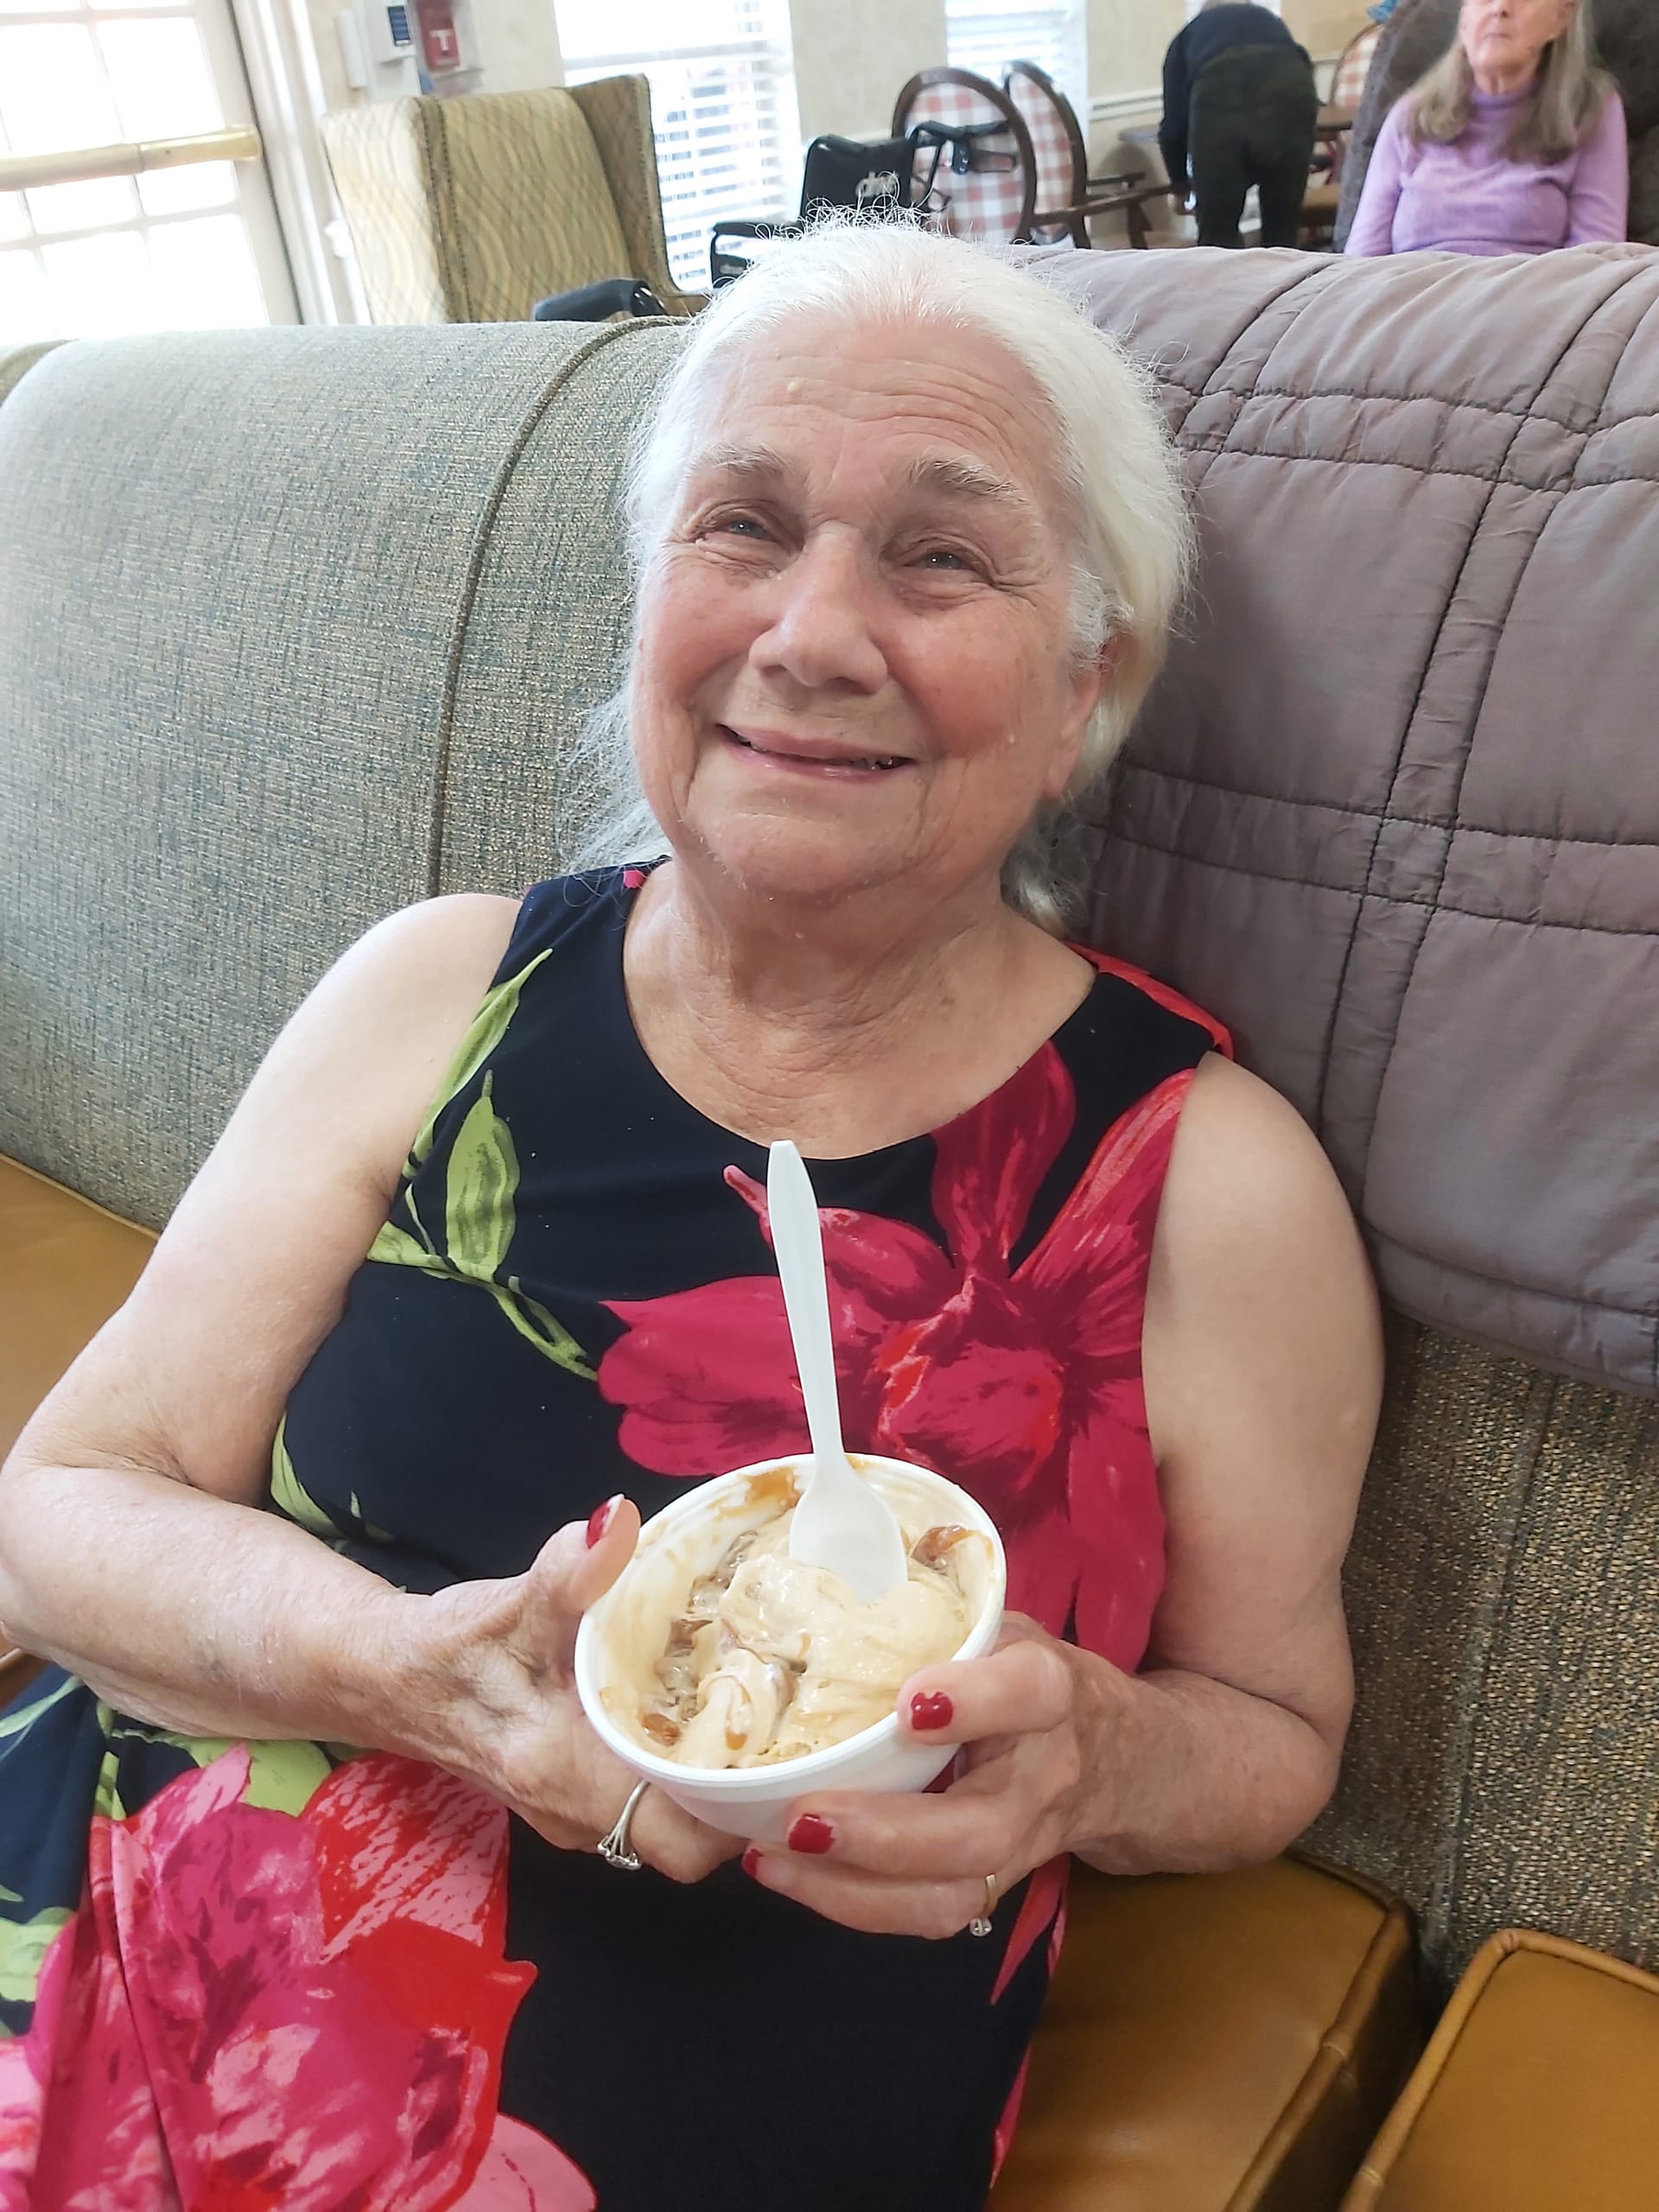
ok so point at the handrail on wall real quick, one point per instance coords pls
(25, 171)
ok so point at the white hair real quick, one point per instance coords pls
(1125, 509)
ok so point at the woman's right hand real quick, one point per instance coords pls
(488, 1691)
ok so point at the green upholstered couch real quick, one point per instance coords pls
(296, 627)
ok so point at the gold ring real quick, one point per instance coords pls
(614, 1848)
(981, 1923)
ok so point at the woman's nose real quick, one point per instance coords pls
(820, 634)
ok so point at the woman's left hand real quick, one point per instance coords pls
(1033, 1719)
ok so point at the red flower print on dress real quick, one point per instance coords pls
(255, 2009)
(1022, 1383)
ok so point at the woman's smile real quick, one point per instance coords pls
(838, 759)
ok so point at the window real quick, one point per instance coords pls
(985, 35)
(723, 105)
(170, 248)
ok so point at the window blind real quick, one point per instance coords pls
(723, 106)
(985, 35)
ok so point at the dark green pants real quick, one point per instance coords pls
(1251, 122)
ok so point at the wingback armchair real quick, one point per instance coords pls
(470, 210)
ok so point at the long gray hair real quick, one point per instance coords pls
(1568, 93)
(1126, 514)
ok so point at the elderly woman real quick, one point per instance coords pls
(1513, 143)
(303, 1821)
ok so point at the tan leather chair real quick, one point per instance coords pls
(65, 1265)
(1539, 2091)
(470, 210)
(1215, 2042)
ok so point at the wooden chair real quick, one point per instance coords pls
(1066, 193)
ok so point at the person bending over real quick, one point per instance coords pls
(1513, 143)
(1240, 107)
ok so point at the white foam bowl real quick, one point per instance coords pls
(623, 1635)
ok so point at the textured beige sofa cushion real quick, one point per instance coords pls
(242, 586)
(1504, 1762)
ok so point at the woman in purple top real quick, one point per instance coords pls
(1514, 143)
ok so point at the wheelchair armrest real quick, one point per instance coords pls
(721, 269)
(594, 302)
(779, 226)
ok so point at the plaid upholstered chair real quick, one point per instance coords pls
(471, 210)
(986, 185)
(1353, 66)
(1066, 194)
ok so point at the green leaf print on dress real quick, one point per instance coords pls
(483, 1183)
(489, 1027)
(24, 1944)
(284, 1776)
(290, 1496)
(480, 1188)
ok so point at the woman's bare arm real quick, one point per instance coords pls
(1262, 1363)
(127, 1552)
(129, 1547)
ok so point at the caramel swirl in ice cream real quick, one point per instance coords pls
(771, 1659)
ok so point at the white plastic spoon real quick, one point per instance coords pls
(840, 1522)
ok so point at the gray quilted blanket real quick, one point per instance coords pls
(1392, 809)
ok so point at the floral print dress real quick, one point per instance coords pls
(240, 1975)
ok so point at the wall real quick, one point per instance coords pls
(1127, 40)
(1324, 27)
(517, 39)
(852, 60)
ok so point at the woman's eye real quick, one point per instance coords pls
(739, 525)
(942, 557)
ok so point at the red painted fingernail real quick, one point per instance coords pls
(752, 1860)
(812, 1834)
(931, 1709)
(600, 1519)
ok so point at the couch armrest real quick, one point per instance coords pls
(15, 361)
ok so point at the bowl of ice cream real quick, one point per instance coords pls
(736, 1678)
